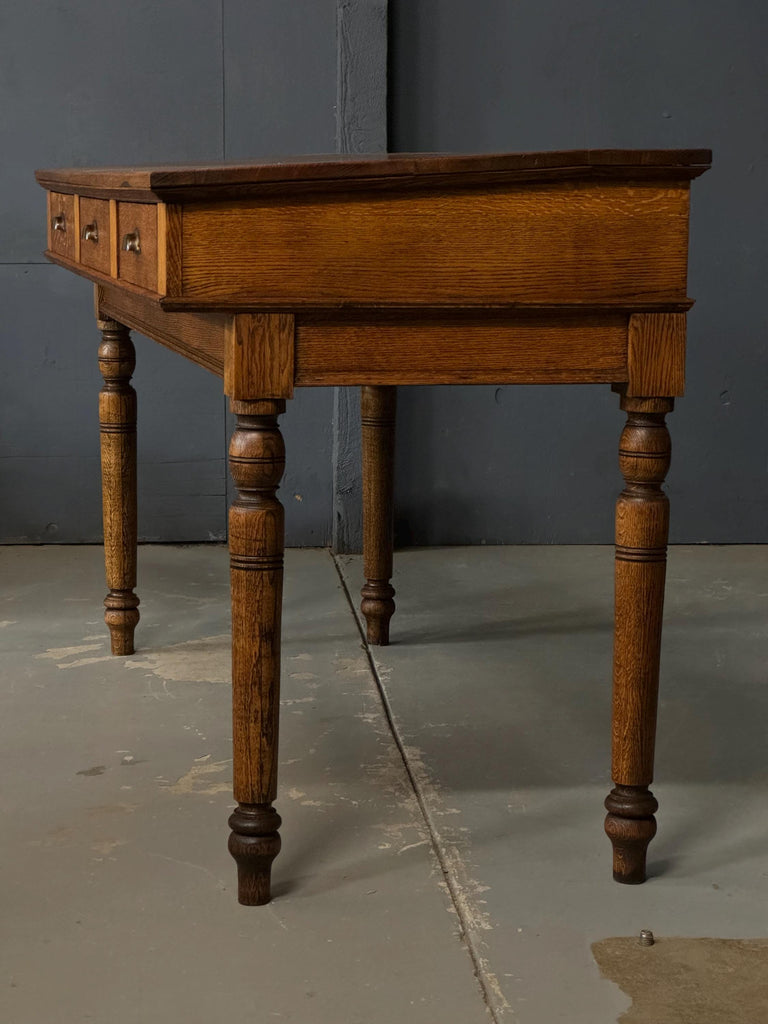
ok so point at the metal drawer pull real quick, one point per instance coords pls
(59, 222)
(132, 241)
(91, 232)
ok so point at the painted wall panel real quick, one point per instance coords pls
(519, 466)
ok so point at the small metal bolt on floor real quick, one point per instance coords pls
(646, 937)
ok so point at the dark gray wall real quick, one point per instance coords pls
(70, 95)
(279, 63)
(210, 79)
(100, 82)
(539, 465)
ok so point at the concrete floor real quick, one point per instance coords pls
(443, 856)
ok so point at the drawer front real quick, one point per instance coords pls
(62, 228)
(95, 234)
(137, 244)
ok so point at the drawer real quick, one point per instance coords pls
(137, 244)
(62, 228)
(95, 234)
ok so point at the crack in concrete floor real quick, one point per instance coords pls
(463, 890)
(492, 672)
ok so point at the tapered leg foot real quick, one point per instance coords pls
(122, 617)
(630, 825)
(254, 843)
(117, 424)
(378, 607)
(377, 405)
(256, 532)
(642, 525)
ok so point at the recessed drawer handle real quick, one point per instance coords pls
(59, 222)
(132, 241)
(91, 232)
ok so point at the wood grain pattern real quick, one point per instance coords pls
(62, 242)
(162, 249)
(258, 360)
(76, 232)
(170, 222)
(114, 240)
(139, 268)
(393, 171)
(656, 354)
(196, 336)
(460, 247)
(96, 253)
(512, 348)
(377, 408)
(117, 422)
(256, 541)
(642, 526)
(97, 277)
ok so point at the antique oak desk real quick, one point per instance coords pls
(553, 268)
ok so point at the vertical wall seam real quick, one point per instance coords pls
(223, 84)
(361, 127)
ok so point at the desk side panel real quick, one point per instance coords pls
(589, 242)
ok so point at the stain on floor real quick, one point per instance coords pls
(439, 797)
(689, 981)
(197, 780)
(206, 660)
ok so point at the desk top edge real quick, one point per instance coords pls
(326, 170)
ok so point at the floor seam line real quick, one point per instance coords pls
(432, 830)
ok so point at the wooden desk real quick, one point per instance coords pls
(552, 268)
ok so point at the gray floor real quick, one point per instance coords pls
(453, 870)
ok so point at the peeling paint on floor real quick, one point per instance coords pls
(196, 779)
(207, 660)
(57, 653)
(370, 871)
(119, 808)
(80, 662)
(107, 846)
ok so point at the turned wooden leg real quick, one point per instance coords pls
(256, 539)
(642, 526)
(117, 422)
(378, 432)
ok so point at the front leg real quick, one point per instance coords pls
(117, 423)
(642, 526)
(377, 407)
(256, 541)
